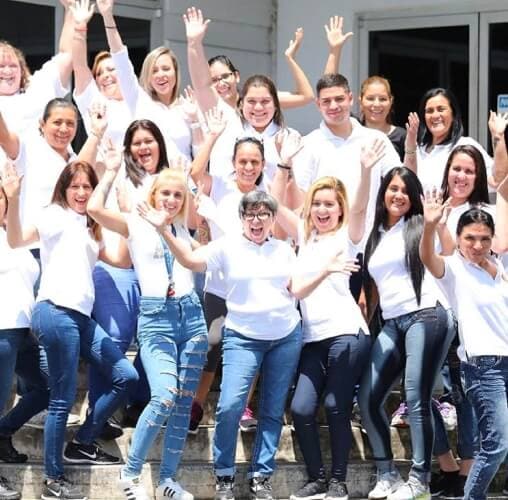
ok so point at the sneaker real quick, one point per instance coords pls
(260, 488)
(400, 417)
(449, 415)
(9, 454)
(38, 420)
(195, 417)
(455, 489)
(224, 488)
(111, 430)
(439, 481)
(61, 489)
(79, 453)
(170, 488)
(132, 488)
(386, 483)
(412, 489)
(6, 492)
(337, 490)
(312, 489)
(248, 422)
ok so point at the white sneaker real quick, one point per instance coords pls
(170, 488)
(38, 421)
(386, 483)
(413, 489)
(132, 489)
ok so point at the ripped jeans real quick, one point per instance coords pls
(173, 344)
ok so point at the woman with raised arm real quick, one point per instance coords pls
(336, 345)
(262, 333)
(171, 327)
(70, 245)
(414, 338)
(484, 357)
(155, 95)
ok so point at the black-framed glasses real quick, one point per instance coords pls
(261, 216)
(224, 76)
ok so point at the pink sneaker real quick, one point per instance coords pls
(400, 417)
(248, 422)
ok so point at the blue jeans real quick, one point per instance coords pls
(172, 338)
(66, 335)
(20, 354)
(330, 368)
(243, 358)
(419, 343)
(486, 386)
(116, 309)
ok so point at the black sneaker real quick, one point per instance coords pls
(337, 490)
(79, 453)
(312, 489)
(224, 488)
(455, 488)
(9, 454)
(260, 488)
(6, 492)
(111, 430)
(195, 417)
(440, 481)
(61, 489)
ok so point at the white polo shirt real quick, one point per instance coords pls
(258, 301)
(68, 256)
(480, 303)
(18, 274)
(387, 268)
(170, 120)
(431, 165)
(325, 154)
(330, 310)
(147, 253)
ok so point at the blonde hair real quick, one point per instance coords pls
(338, 188)
(99, 57)
(25, 71)
(382, 81)
(147, 68)
(167, 175)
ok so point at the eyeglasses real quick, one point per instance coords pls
(261, 216)
(224, 76)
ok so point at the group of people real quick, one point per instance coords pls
(335, 263)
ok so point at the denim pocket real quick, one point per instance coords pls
(150, 309)
(484, 363)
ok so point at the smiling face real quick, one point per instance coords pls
(325, 211)
(169, 196)
(335, 104)
(10, 72)
(78, 193)
(461, 178)
(474, 242)
(438, 117)
(59, 128)
(106, 79)
(225, 82)
(163, 77)
(375, 104)
(396, 200)
(145, 150)
(248, 164)
(258, 107)
(257, 224)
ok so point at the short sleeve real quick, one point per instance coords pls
(304, 166)
(50, 222)
(447, 281)
(213, 254)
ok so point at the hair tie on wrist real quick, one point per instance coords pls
(284, 167)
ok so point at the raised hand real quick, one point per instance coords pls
(216, 121)
(195, 25)
(372, 153)
(497, 123)
(294, 44)
(434, 210)
(180, 163)
(11, 181)
(189, 105)
(339, 264)
(122, 197)
(82, 11)
(105, 7)
(112, 157)
(334, 32)
(288, 144)
(98, 120)
(67, 4)
(413, 122)
(157, 218)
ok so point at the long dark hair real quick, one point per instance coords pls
(412, 232)
(480, 193)
(134, 171)
(59, 196)
(456, 129)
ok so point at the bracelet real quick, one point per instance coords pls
(81, 30)
(99, 136)
(284, 167)
(113, 27)
(410, 151)
(195, 125)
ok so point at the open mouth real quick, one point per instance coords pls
(322, 219)
(256, 232)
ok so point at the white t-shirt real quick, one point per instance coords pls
(18, 274)
(330, 310)
(431, 165)
(258, 301)
(480, 303)
(118, 113)
(147, 253)
(325, 154)
(68, 256)
(387, 268)
(170, 120)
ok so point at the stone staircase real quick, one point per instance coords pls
(195, 472)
